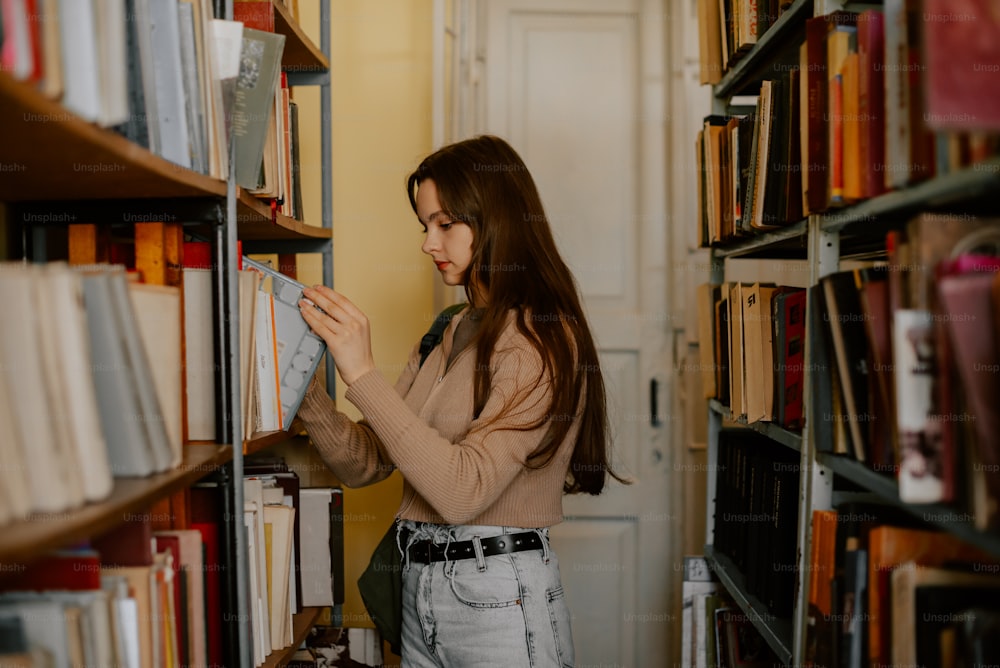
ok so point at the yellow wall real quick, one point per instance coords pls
(381, 74)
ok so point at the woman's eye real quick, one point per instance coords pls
(446, 226)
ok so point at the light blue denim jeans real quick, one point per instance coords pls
(503, 610)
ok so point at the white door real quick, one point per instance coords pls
(578, 88)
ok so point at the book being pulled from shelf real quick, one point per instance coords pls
(297, 351)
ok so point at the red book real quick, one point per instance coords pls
(871, 114)
(207, 513)
(76, 570)
(129, 544)
(962, 49)
(254, 14)
(790, 323)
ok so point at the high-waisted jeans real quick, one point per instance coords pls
(503, 610)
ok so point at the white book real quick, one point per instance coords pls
(112, 56)
(315, 565)
(123, 620)
(71, 380)
(13, 478)
(78, 36)
(913, 354)
(199, 354)
(269, 407)
(158, 316)
(23, 370)
(208, 93)
(192, 87)
(250, 525)
(150, 415)
(169, 113)
(129, 450)
(44, 624)
(226, 43)
(281, 518)
(253, 494)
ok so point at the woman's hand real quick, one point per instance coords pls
(344, 328)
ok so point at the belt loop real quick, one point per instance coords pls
(404, 549)
(477, 546)
(543, 536)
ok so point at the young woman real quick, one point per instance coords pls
(505, 416)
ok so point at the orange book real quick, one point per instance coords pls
(822, 559)
(852, 129)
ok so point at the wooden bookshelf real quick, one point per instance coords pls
(301, 624)
(262, 440)
(255, 223)
(48, 153)
(28, 539)
(301, 54)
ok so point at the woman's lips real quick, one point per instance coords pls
(442, 265)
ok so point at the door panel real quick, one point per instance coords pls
(578, 89)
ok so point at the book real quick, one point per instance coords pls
(871, 100)
(69, 377)
(260, 64)
(199, 354)
(316, 565)
(925, 599)
(888, 548)
(789, 318)
(191, 556)
(961, 47)
(698, 583)
(158, 317)
(845, 321)
(169, 114)
(49, 475)
(78, 37)
(759, 352)
(966, 302)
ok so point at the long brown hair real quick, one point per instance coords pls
(483, 183)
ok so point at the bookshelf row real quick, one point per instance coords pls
(72, 182)
(865, 107)
(85, 165)
(874, 217)
(896, 473)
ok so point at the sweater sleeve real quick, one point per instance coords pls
(352, 450)
(461, 480)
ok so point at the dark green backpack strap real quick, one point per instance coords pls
(436, 332)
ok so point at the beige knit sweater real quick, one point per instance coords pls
(456, 470)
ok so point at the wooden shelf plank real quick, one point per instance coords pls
(46, 531)
(301, 623)
(254, 223)
(261, 440)
(301, 54)
(48, 153)
(776, 631)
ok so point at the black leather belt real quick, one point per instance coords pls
(426, 552)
